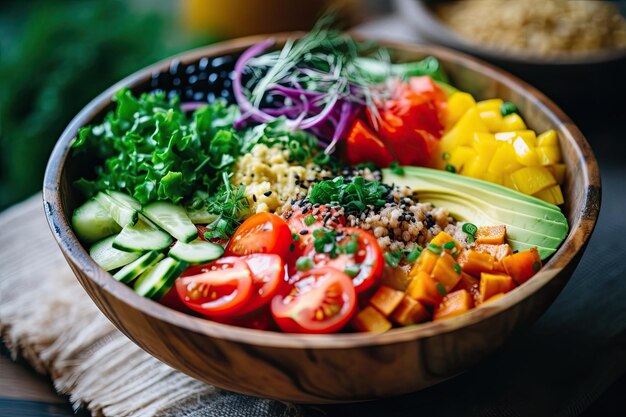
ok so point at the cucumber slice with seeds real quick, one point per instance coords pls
(142, 237)
(92, 222)
(120, 212)
(110, 258)
(159, 278)
(136, 268)
(196, 252)
(173, 219)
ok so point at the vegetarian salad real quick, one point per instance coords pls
(335, 192)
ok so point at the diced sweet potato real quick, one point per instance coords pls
(409, 311)
(492, 284)
(478, 263)
(386, 299)
(453, 304)
(491, 235)
(427, 261)
(467, 282)
(425, 289)
(447, 271)
(523, 265)
(370, 320)
(497, 251)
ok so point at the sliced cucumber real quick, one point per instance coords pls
(159, 278)
(142, 237)
(201, 215)
(136, 268)
(173, 219)
(110, 258)
(196, 252)
(125, 199)
(92, 222)
(120, 212)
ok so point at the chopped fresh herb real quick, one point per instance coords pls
(353, 244)
(230, 205)
(445, 156)
(396, 168)
(295, 237)
(457, 268)
(412, 256)
(436, 249)
(292, 247)
(304, 263)
(470, 229)
(354, 196)
(393, 259)
(508, 108)
(450, 168)
(309, 220)
(352, 270)
(325, 241)
(441, 289)
(449, 245)
(536, 266)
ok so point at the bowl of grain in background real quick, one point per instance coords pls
(575, 51)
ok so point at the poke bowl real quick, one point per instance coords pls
(358, 311)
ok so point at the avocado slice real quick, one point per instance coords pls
(530, 222)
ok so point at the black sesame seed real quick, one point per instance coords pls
(254, 197)
(304, 232)
(267, 193)
(288, 215)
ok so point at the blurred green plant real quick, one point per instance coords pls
(55, 56)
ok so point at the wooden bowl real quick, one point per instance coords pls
(338, 367)
(570, 80)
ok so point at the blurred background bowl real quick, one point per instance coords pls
(338, 367)
(568, 79)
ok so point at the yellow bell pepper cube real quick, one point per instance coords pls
(504, 160)
(490, 105)
(493, 119)
(461, 133)
(494, 177)
(531, 180)
(460, 156)
(458, 103)
(558, 171)
(507, 181)
(485, 144)
(525, 153)
(513, 122)
(548, 155)
(528, 135)
(548, 138)
(551, 194)
(475, 167)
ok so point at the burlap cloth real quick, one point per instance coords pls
(559, 367)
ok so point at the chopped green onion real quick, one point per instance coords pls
(457, 268)
(304, 263)
(413, 255)
(450, 168)
(396, 168)
(295, 237)
(508, 108)
(469, 228)
(445, 156)
(353, 245)
(309, 220)
(449, 245)
(436, 249)
(441, 289)
(352, 270)
(393, 259)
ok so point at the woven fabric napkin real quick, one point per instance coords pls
(557, 368)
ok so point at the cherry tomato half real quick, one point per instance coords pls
(220, 288)
(322, 301)
(299, 221)
(364, 262)
(261, 233)
(268, 277)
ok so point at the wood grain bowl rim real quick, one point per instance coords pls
(579, 233)
(433, 28)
